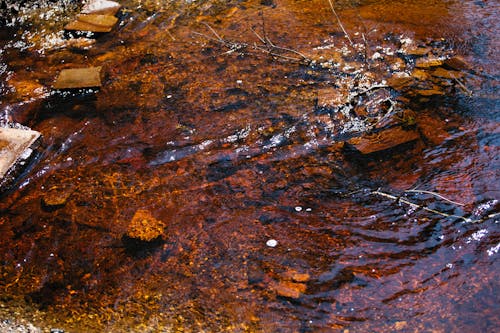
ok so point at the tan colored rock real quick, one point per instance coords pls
(446, 74)
(418, 51)
(93, 23)
(383, 140)
(420, 75)
(79, 78)
(429, 62)
(145, 227)
(103, 7)
(398, 82)
(16, 145)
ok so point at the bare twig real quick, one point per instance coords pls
(416, 206)
(267, 46)
(436, 195)
(340, 23)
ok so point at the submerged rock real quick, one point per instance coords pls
(145, 227)
(386, 139)
(79, 78)
(289, 289)
(56, 198)
(92, 23)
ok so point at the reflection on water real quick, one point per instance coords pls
(225, 124)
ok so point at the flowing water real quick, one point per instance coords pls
(212, 122)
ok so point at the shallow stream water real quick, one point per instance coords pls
(209, 119)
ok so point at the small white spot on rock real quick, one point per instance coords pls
(298, 209)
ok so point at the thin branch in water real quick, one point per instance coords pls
(436, 195)
(416, 206)
(340, 23)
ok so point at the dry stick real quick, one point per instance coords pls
(414, 205)
(436, 195)
(340, 23)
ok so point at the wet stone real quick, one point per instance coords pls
(295, 276)
(386, 139)
(428, 62)
(16, 146)
(289, 289)
(145, 227)
(79, 78)
(400, 81)
(332, 97)
(457, 63)
(446, 74)
(93, 23)
(102, 7)
(418, 51)
(429, 92)
(56, 198)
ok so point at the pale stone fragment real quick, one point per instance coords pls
(79, 78)
(16, 145)
(93, 23)
(428, 62)
(103, 7)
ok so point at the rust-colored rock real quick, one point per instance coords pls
(400, 81)
(457, 63)
(289, 289)
(418, 51)
(93, 23)
(383, 140)
(446, 74)
(429, 92)
(145, 227)
(432, 129)
(296, 276)
(56, 197)
(79, 78)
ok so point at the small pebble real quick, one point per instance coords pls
(298, 209)
(272, 243)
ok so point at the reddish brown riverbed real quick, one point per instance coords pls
(223, 147)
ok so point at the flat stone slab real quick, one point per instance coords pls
(75, 78)
(102, 7)
(93, 23)
(16, 146)
(386, 139)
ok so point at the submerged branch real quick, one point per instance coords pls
(266, 46)
(436, 195)
(417, 206)
(340, 23)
